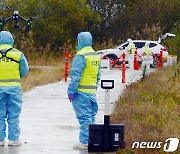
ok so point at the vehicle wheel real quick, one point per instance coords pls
(155, 61)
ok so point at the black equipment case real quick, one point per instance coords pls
(106, 137)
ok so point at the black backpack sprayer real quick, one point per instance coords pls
(16, 17)
(106, 137)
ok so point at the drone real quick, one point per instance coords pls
(16, 17)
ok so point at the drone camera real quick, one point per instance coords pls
(15, 15)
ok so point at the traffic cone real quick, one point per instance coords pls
(160, 62)
(136, 67)
(123, 68)
(66, 66)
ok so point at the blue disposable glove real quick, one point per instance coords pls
(71, 97)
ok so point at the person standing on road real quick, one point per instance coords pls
(146, 49)
(131, 47)
(85, 75)
(130, 50)
(147, 57)
(13, 67)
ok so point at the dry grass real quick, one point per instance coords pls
(44, 75)
(45, 59)
(150, 110)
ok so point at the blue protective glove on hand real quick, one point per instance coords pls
(71, 97)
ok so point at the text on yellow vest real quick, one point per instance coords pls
(9, 66)
(89, 77)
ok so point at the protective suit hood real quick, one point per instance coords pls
(84, 40)
(129, 40)
(6, 38)
(147, 44)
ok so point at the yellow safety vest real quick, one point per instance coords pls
(9, 66)
(133, 47)
(147, 51)
(89, 77)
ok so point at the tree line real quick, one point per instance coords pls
(56, 23)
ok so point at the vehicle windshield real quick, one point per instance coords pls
(152, 45)
(122, 46)
(139, 44)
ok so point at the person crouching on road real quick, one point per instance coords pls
(85, 75)
(13, 67)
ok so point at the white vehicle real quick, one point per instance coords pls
(154, 46)
(115, 53)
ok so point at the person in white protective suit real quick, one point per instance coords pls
(131, 47)
(147, 56)
(13, 67)
(130, 50)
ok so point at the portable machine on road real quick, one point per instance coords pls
(106, 137)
